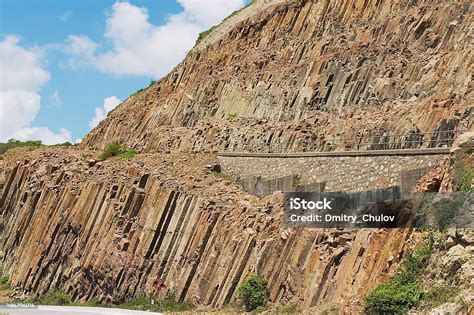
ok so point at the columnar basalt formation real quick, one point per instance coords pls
(278, 72)
(303, 71)
(151, 228)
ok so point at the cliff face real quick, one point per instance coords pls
(293, 72)
(297, 72)
(160, 224)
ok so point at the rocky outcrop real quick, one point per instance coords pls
(116, 229)
(296, 74)
(300, 73)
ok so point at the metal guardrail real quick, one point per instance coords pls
(384, 141)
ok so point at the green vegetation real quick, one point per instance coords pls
(233, 115)
(134, 94)
(447, 210)
(127, 155)
(237, 11)
(426, 202)
(167, 304)
(53, 298)
(291, 308)
(12, 143)
(253, 292)
(202, 35)
(4, 282)
(400, 293)
(437, 295)
(463, 179)
(115, 148)
(222, 175)
(141, 90)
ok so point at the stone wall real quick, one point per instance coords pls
(347, 171)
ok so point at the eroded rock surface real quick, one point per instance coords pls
(302, 73)
(165, 223)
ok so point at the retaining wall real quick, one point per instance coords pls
(345, 171)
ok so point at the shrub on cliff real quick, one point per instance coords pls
(115, 148)
(253, 292)
(112, 149)
(4, 282)
(463, 180)
(402, 292)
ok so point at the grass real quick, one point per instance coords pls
(402, 292)
(143, 303)
(289, 309)
(237, 11)
(437, 295)
(167, 304)
(203, 34)
(31, 144)
(4, 282)
(143, 89)
(448, 210)
(463, 179)
(426, 202)
(127, 155)
(53, 298)
(134, 94)
(12, 143)
(222, 175)
(115, 148)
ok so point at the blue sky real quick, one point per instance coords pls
(65, 63)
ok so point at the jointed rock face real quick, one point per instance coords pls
(302, 71)
(277, 72)
(161, 224)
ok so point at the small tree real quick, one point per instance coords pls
(253, 292)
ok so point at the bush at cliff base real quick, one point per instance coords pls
(402, 292)
(253, 292)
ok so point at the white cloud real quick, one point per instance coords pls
(101, 112)
(65, 16)
(55, 99)
(209, 12)
(82, 50)
(20, 80)
(141, 48)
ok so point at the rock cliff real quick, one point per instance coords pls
(163, 223)
(301, 72)
(277, 72)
